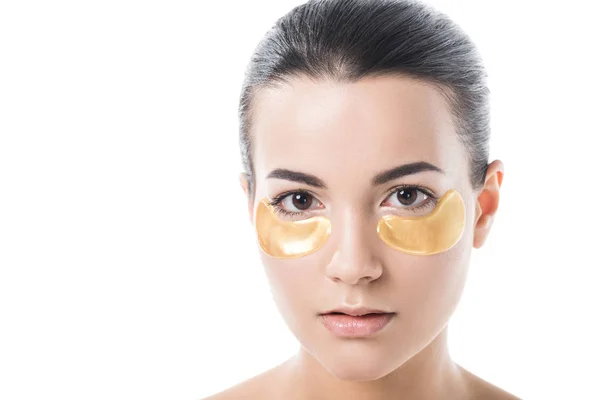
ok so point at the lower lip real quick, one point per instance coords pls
(356, 326)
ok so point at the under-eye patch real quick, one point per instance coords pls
(429, 234)
(433, 233)
(289, 239)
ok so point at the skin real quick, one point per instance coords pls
(345, 134)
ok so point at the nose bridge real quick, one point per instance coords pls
(354, 258)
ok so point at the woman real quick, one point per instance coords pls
(364, 137)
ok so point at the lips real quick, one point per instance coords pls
(344, 325)
(355, 315)
(356, 311)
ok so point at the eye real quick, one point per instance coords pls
(411, 198)
(295, 203)
(407, 198)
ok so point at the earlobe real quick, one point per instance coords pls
(488, 202)
(244, 184)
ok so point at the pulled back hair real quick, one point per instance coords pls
(346, 40)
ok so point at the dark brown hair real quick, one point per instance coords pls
(346, 40)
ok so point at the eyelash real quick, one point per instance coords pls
(280, 211)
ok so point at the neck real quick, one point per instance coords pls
(429, 374)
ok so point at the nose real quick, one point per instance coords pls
(355, 260)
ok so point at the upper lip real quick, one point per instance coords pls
(356, 311)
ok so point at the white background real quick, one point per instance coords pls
(120, 203)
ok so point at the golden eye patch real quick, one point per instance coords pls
(433, 233)
(289, 239)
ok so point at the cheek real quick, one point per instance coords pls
(293, 284)
(429, 287)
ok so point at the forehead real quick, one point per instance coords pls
(351, 131)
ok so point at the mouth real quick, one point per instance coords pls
(355, 312)
(357, 315)
(346, 325)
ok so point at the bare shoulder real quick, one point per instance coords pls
(481, 389)
(262, 386)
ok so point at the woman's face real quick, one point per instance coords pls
(344, 135)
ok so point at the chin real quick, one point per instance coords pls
(359, 371)
(359, 363)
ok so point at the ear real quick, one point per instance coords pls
(487, 202)
(244, 185)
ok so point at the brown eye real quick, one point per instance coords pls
(296, 203)
(408, 196)
(301, 201)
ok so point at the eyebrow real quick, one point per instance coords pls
(379, 179)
